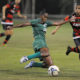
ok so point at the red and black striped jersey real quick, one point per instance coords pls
(75, 25)
(11, 9)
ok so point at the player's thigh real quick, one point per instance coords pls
(77, 42)
(39, 43)
(8, 32)
(46, 56)
(44, 52)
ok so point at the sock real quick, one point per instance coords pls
(36, 64)
(35, 55)
(76, 49)
(2, 34)
(6, 40)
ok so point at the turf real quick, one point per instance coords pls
(21, 44)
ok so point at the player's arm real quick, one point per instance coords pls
(58, 24)
(4, 12)
(23, 25)
(66, 20)
(20, 15)
(56, 29)
(61, 22)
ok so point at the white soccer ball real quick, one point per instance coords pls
(53, 70)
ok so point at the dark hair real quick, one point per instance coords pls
(43, 12)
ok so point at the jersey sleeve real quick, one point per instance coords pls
(49, 23)
(17, 9)
(33, 22)
(8, 5)
(67, 18)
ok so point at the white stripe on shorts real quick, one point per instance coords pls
(7, 23)
(76, 37)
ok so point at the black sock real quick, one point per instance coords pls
(2, 34)
(76, 49)
(7, 39)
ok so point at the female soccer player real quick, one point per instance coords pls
(40, 47)
(7, 18)
(76, 31)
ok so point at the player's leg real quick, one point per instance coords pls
(32, 56)
(2, 34)
(44, 53)
(74, 49)
(38, 54)
(46, 57)
(47, 61)
(34, 64)
(8, 33)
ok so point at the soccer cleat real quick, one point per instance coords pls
(23, 59)
(29, 65)
(5, 45)
(68, 50)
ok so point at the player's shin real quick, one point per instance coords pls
(48, 61)
(6, 39)
(35, 55)
(76, 49)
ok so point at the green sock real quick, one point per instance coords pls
(36, 64)
(35, 55)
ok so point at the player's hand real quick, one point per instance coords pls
(53, 32)
(25, 17)
(3, 17)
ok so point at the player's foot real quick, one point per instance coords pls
(29, 65)
(3, 45)
(68, 50)
(23, 59)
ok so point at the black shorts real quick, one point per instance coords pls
(77, 42)
(5, 26)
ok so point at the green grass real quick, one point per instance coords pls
(21, 44)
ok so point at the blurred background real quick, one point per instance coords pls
(55, 8)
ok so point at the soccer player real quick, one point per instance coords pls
(76, 31)
(40, 47)
(7, 18)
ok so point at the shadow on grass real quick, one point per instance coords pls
(38, 73)
(26, 72)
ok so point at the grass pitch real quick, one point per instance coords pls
(21, 45)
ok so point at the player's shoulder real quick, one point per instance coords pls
(49, 22)
(35, 20)
(12, 3)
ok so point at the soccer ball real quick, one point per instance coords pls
(53, 70)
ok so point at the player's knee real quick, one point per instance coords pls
(9, 32)
(44, 52)
(79, 47)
